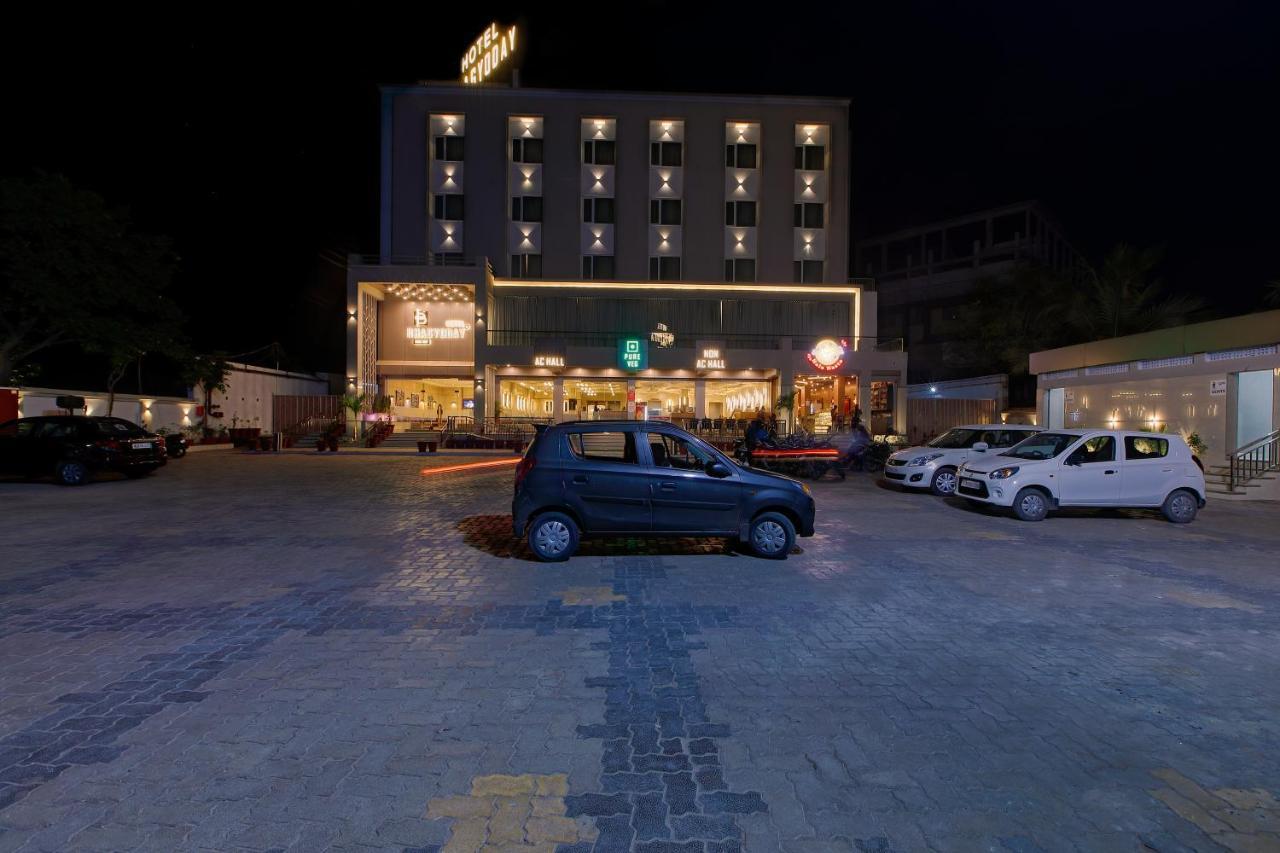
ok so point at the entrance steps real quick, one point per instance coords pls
(411, 437)
(1217, 486)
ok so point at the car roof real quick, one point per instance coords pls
(614, 424)
(1105, 431)
(999, 426)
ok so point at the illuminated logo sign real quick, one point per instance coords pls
(662, 336)
(493, 48)
(633, 353)
(711, 359)
(828, 354)
(548, 361)
(423, 335)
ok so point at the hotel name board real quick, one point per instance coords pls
(423, 335)
(488, 53)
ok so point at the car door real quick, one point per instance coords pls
(1090, 473)
(1149, 471)
(686, 499)
(604, 483)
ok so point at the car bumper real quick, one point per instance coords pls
(520, 509)
(806, 520)
(911, 476)
(978, 487)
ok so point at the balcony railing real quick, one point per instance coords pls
(415, 261)
(551, 338)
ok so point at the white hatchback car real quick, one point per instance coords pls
(1089, 467)
(934, 465)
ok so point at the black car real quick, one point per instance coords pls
(647, 478)
(72, 449)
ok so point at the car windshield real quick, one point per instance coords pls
(1046, 445)
(955, 438)
(117, 428)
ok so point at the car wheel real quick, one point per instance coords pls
(944, 482)
(1180, 507)
(772, 536)
(72, 473)
(179, 453)
(1031, 505)
(553, 537)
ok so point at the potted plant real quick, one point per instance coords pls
(1196, 443)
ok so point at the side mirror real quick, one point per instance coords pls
(717, 470)
(982, 447)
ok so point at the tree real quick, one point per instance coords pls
(73, 271)
(1125, 297)
(1271, 294)
(355, 403)
(210, 372)
(1009, 317)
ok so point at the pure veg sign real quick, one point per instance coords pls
(633, 353)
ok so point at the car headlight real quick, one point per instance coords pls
(921, 460)
(1003, 473)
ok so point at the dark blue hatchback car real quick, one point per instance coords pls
(647, 478)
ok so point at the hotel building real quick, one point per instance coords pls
(571, 254)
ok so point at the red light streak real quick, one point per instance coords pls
(448, 469)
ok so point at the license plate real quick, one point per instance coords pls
(971, 483)
(143, 445)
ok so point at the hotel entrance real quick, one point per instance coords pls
(427, 403)
(826, 403)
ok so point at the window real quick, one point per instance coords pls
(616, 447)
(448, 206)
(526, 151)
(664, 269)
(740, 213)
(740, 269)
(526, 266)
(740, 156)
(526, 208)
(669, 451)
(597, 266)
(597, 210)
(1099, 448)
(666, 153)
(1010, 437)
(449, 147)
(809, 215)
(811, 157)
(809, 272)
(1141, 447)
(599, 152)
(664, 211)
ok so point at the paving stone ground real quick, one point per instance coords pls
(255, 652)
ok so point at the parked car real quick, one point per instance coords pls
(73, 449)
(1089, 467)
(647, 478)
(934, 465)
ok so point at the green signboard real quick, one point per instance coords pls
(633, 353)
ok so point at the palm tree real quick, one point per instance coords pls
(1271, 293)
(1125, 297)
(1007, 318)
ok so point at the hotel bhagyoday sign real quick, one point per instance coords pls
(490, 52)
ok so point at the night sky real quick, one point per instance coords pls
(253, 141)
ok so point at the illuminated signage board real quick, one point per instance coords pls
(633, 353)
(548, 361)
(828, 354)
(422, 334)
(711, 359)
(488, 53)
(662, 336)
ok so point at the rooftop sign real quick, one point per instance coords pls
(488, 53)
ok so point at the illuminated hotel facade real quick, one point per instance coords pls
(570, 254)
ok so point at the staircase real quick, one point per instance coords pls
(410, 438)
(1251, 472)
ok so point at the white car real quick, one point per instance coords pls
(1089, 467)
(934, 465)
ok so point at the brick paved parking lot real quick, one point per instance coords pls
(307, 652)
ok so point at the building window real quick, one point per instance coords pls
(597, 210)
(740, 213)
(740, 156)
(526, 208)
(526, 150)
(809, 272)
(526, 266)
(811, 157)
(809, 215)
(664, 211)
(740, 269)
(597, 266)
(449, 147)
(664, 269)
(666, 154)
(599, 152)
(448, 206)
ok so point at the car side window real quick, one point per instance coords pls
(1010, 437)
(670, 451)
(1099, 448)
(1143, 447)
(616, 447)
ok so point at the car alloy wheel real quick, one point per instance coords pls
(551, 538)
(73, 473)
(1181, 507)
(769, 537)
(1030, 505)
(944, 482)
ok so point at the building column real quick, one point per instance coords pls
(557, 400)
(699, 398)
(864, 396)
(631, 399)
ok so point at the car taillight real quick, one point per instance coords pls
(108, 444)
(523, 468)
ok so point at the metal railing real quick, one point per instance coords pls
(1254, 459)
(688, 340)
